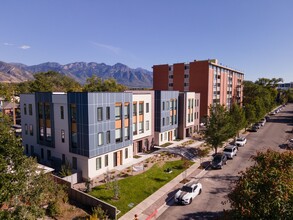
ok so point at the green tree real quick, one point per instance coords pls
(218, 127)
(265, 190)
(24, 188)
(53, 82)
(249, 115)
(237, 119)
(96, 84)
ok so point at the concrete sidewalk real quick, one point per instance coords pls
(155, 203)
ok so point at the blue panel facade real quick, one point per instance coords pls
(162, 110)
(88, 125)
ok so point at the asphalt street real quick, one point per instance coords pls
(218, 183)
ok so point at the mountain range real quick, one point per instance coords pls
(80, 71)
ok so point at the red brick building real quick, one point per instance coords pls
(215, 83)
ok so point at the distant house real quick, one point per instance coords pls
(7, 108)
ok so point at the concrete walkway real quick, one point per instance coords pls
(155, 203)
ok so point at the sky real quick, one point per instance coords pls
(252, 36)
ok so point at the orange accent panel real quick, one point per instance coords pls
(134, 119)
(140, 118)
(118, 124)
(126, 122)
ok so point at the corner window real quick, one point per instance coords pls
(118, 112)
(61, 112)
(30, 109)
(62, 136)
(141, 108)
(24, 109)
(107, 113)
(31, 130)
(126, 153)
(126, 110)
(108, 137)
(98, 163)
(100, 114)
(134, 128)
(134, 108)
(126, 133)
(25, 129)
(118, 135)
(106, 160)
(100, 139)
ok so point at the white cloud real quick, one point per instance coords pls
(8, 44)
(111, 48)
(25, 47)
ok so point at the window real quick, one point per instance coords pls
(108, 137)
(126, 111)
(31, 130)
(140, 127)
(30, 109)
(26, 149)
(24, 108)
(167, 105)
(141, 108)
(163, 123)
(100, 114)
(107, 113)
(175, 104)
(42, 153)
(126, 133)
(106, 160)
(118, 135)
(167, 121)
(98, 163)
(172, 105)
(165, 135)
(134, 128)
(115, 162)
(163, 106)
(74, 163)
(62, 136)
(161, 137)
(100, 139)
(118, 112)
(48, 155)
(147, 107)
(147, 125)
(32, 150)
(134, 108)
(126, 153)
(62, 112)
(25, 129)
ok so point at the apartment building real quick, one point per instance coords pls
(166, 116)
(143, 120)
(215, 82)
(92, 131)
(188, 121)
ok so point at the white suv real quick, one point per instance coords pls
(230, 151)
(240, 141)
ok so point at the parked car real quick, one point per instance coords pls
(257, 125)
(188, 192)
(240, 141)
(261, 123)
(230, 151)
(253, 128)
(219, 160)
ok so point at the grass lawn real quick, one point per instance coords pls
(135, 189)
